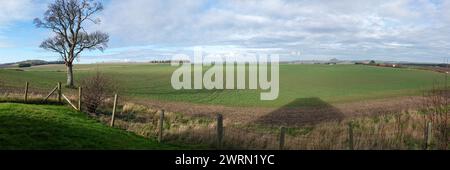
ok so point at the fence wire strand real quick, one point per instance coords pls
(144, 120)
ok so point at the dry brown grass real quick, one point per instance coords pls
(404, 130)
(14, 93)
(436, 107)
(387, 129)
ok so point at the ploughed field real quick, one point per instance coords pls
(300, 85)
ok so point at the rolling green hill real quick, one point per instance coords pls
(57, 127)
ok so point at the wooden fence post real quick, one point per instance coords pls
(114, 110)
(80, 90)
(59, 92)
(282, 137)
(161, 126)
(350, 136)
(219, 131)
(26, 92)
(428, 135)
(48, 96)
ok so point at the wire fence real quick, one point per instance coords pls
(413, 132)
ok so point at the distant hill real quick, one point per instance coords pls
(31, 63)
(336, 61)
(40, 62)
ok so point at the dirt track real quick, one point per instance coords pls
(291, 116)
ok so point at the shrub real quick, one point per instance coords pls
(436, 107)
(96, 90)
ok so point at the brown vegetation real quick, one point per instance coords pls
(403, 130)
(96, 90)
(436, 107)
(396, 123)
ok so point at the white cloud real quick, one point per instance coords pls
(415, 29)
(14, 10)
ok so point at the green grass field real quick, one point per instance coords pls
(58, 127)
(331, 84)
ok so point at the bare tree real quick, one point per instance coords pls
(67, 19)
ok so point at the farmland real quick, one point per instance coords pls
(316, 103)
(298, 83)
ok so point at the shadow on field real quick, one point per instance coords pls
(300, 112)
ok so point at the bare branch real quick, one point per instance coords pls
(93, 41)
(66, 19)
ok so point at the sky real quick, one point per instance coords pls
(144, 30)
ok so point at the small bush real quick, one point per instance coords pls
(96, 89)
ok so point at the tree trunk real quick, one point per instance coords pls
(69, 75)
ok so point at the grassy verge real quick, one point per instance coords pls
(39, 127)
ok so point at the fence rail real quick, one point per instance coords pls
(220, 136)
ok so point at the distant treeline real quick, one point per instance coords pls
(427, 65)
(169, 61)
(30, 63)
(373, 63)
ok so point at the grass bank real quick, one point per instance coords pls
(58, 127)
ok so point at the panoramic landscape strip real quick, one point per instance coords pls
(394, 120)
(225, 83)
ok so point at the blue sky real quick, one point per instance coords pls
(143, 30)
